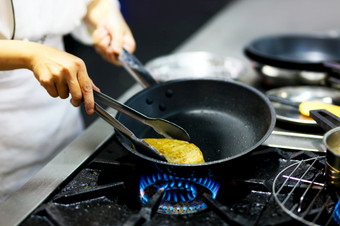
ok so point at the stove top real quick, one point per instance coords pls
(115, 188)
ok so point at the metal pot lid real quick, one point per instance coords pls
(299, 94)
(195, 65)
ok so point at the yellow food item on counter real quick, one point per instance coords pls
(177, 151)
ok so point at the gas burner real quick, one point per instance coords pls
(116, 189)
(182, 195)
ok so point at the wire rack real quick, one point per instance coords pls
(301, 191)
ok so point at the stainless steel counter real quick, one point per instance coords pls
(226, 34)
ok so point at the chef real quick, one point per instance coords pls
(39, 82)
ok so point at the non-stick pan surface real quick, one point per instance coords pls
(300, 52)
(225, 119)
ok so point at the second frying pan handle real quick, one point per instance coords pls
(334, 66)
(136, 69)
(333, 71)
(325, 119)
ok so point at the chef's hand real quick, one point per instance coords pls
(61, 73)
(109, 41)
(58, 72)
(111, 33)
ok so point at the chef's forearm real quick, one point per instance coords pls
(16, 54)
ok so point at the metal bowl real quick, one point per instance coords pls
(332, 142)
(194, 65)
(299, 94)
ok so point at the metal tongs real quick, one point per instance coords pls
(161, 126)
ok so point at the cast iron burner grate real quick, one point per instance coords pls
(105, 191)
(301, 191)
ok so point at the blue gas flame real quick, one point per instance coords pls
(178, 190)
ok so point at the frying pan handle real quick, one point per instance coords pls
(334, 66)
(136, 69)
(325, 119)
(333, 72)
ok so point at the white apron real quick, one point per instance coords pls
(33, 125)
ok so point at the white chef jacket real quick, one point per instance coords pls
(33, 125)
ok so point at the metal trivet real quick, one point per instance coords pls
(300, 190)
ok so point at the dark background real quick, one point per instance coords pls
(159, 26)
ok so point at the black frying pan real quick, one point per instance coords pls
(299, 52)
(225, 119)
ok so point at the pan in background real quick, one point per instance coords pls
(195, 65)
(296, 59)
(298, 94)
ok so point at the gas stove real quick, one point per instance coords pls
(95, 181)
(115, 188)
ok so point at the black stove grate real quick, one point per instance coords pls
(302, 192)
(106, 191)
